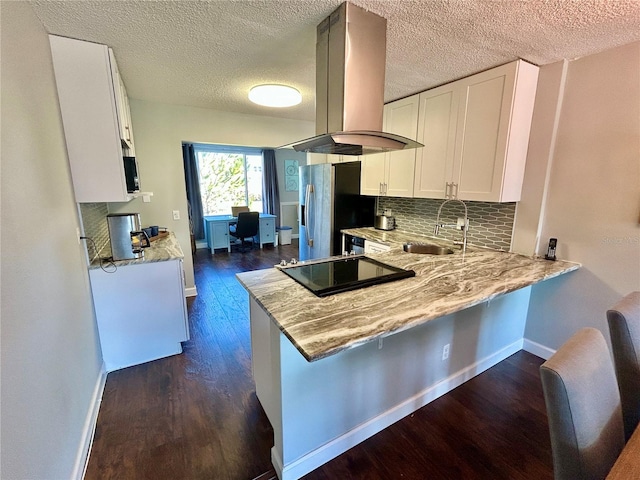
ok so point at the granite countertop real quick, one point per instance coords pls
(161, 250)
(393, 238)
(444, 284)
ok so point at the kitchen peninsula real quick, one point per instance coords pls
(331, 372)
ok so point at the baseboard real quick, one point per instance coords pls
(190, 292)
(537, 349)
(341, 444)
(89, 428)
(201, 244)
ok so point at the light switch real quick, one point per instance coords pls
(176, 214)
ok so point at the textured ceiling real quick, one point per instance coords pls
(209, 53)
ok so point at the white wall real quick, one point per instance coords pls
(291, 212)
(542, 143)
(51, 361)
(159, 131)
(288, 154)
(593, 196)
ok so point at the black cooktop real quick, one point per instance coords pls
(344, 274)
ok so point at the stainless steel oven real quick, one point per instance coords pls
(353, 244)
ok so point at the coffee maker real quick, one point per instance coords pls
(126, 235)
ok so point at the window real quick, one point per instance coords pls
(229, 176)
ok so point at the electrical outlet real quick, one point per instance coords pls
(445, 351)
(461, 225)
(176, 214)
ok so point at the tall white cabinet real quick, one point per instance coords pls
(476, 135)
(392, 173)
(96, 118)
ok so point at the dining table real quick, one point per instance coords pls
(627, 466)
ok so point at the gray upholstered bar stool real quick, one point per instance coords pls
(583, 407)
(624, 329)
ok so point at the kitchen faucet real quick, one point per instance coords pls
(439, 225)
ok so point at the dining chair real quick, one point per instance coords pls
(624, 329)
(246, 227)
(583, 407)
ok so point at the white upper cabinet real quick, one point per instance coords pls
(476, 135)
(122, 106)
(373, 174)
(437, 125)
(392, 173)
(95, 117)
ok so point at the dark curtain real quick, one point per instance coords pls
(270, 193)
(192, 183)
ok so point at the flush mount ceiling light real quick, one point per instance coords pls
(275, 95)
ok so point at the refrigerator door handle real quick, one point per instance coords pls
(308, 193)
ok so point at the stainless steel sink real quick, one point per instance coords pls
(427, 248)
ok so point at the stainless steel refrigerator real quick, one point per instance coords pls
(330, 201)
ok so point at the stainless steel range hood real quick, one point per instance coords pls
(350, 62)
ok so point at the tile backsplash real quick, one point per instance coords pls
(490, 224)
(94, 221)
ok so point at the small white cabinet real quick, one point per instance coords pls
(220, 235)
(476, 135)
(392, 173)
(375, 247)
(141, 312)
(96, 118)
(267, 232)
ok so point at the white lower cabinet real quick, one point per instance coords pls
(141, 312)
(476, 135)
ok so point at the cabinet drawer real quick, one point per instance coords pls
(267, 230)
(374, 247)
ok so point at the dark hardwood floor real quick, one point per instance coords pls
(196, 416)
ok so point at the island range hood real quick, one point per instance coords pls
(350, 64)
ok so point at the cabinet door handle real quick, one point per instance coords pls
(447, 193)
(385, 188)
(308, 194)
(454, 194)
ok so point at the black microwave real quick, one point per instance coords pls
(131, 174)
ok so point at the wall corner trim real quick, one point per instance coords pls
(89, 429)
(537, 349)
